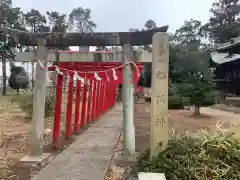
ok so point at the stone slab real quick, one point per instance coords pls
(36, 160)
(151, 176)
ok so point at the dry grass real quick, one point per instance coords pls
(14, 135)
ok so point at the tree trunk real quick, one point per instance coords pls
(11, 64)
(4, 82)
(33, 72)
(221, 97)
(196, 110)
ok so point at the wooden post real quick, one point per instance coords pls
(4, 75)
(159, 103)
(1, 10)
(33, 68)
(32, 76)
(127, 92)
(39, 100)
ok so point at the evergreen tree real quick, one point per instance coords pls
(9, 17)
(224, 23)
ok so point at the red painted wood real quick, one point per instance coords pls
(57, 113)
(104, 96)
(68, 127)
(77, 106)
(114, 93)
(89, 101)
(93, 116)
(109, 95)
(98, 99)
(84, 99)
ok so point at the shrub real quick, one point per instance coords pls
(25, 102)
(196, 158)
(174, 102)
(174, 99)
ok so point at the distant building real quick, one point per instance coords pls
(226, 61)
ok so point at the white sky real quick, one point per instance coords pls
(121, 15)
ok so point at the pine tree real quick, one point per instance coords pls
(225, 21)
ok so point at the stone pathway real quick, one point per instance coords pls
(89, 156)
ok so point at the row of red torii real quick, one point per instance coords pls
(95, 93)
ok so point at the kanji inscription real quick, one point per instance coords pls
(160, 122)
(161, 75)
(160, 99)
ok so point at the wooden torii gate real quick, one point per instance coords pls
(157, 37)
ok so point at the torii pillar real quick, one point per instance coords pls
(37, 128)
(159, 99)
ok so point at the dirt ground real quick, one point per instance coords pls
(181, 120)
(14, 143)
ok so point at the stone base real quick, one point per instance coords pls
(119, 161)
(152, 176)
(41, 160)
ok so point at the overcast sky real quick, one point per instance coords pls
(120, 15)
